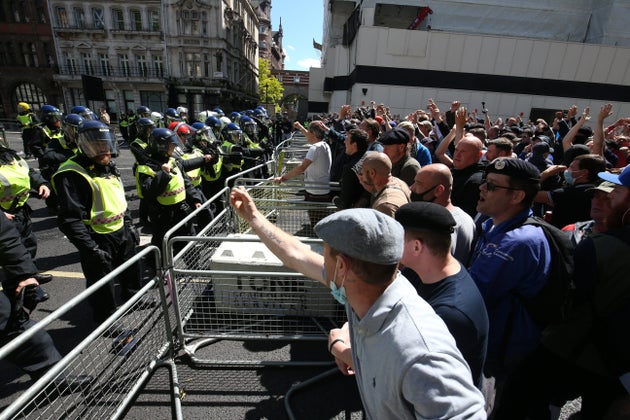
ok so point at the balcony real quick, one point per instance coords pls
(113, 73)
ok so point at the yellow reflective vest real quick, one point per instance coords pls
(15, 184)
(175, 191)
(109, 204)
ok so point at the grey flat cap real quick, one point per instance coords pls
(364, 234)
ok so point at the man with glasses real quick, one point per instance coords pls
(510, 263)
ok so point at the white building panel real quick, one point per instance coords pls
(602, 68)
(619, 68)
(472, 52)
(521, 58)
(538, 58)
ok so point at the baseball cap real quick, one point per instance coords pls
(622, 179)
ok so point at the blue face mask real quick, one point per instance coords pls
(568, 176)
(339, 293)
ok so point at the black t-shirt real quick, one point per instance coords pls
(466, 184)
(570, 204)
(458, 302)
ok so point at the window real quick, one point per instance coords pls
(62, 17)
(158, 67)
(30, 55)
(263, 29)
(118, 20)
(79, 17)
(97, 18)
(123, 62)
(136, 20)
(204, 23)
(106, 69)
(296, 79)
(70, 62)
(206, 65)
(86, 60)
(189, 23)
(193, 64)
(154, 20)
(141, 61)
(40, 11)
(29, 92)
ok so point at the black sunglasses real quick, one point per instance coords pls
(491, 186)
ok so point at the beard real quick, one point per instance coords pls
(618, 217)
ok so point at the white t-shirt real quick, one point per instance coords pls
(319, 170)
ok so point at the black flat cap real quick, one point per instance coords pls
(395, 136)
(514, 168)
(421, 215)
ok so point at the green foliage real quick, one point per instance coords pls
(270, 89)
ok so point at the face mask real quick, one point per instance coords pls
(420, 196)
(339, 293)
(568, 176)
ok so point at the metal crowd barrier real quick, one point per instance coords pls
(228, 287)
(119, 367)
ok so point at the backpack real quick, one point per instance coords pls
(554, 301)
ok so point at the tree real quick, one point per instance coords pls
(270, 89)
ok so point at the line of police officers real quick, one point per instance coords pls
(176, 168)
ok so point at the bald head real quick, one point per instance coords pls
(433, 183)
(378, 162)
(468, 151)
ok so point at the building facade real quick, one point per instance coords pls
(532, 57)
(27, 57)
(269, 41)
(158, 53)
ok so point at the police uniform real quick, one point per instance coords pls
(170, 196)
(93, 215)
(16, 179)
(28, 122)
(38, 353)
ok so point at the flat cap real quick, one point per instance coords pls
(542, 148)
(364, 234)
(422, 215)
(395, 136)
(622, 179)
(514, 168)
(543, 138)
(605, 186)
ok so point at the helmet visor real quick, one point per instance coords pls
(98, 142)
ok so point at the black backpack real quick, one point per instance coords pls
(554, 301)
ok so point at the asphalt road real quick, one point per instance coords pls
(210, 393)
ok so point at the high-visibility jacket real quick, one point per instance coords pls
(15, 184)
(175, 191)
(109, 204)
(194, 174)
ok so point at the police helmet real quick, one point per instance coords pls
(143, 112)
(50, 115)
(161, 139)
(219, 112)
(96, 139)
(84, 112)
(70, 126)
(232, 133)
(249, 126)
(144, 126)
(23, 107)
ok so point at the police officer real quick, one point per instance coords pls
(212, 176)
(58, 151)
(16, 181)
(163, 182)
(232, 146)
(27, 121)
(48, 130)
(93, 216)
(138, 148)
(125, 122)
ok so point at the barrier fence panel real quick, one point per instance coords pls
(116, 367)
(228, 286)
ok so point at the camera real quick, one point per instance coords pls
(483, 108)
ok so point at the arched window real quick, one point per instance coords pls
(29, 93)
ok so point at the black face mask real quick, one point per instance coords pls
(420, 196)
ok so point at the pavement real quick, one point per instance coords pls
(208, 392)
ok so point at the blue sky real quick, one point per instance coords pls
(301, 22)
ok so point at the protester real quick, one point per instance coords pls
(423, 374)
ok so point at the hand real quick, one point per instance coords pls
(197, 205)
(243, 203)
(455, 105)
(342, 333)
(586, 114)
(134, 233)
(102, 256)
(166, 168)
(28, 282)
(43, 191)
(572, 112)
(296, 124)
(9, 215)
(460, 117)
(604, 112)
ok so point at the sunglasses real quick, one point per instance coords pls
(490, 186)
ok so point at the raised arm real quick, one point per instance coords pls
(567, 141)
(598, 133)
(289, 249)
